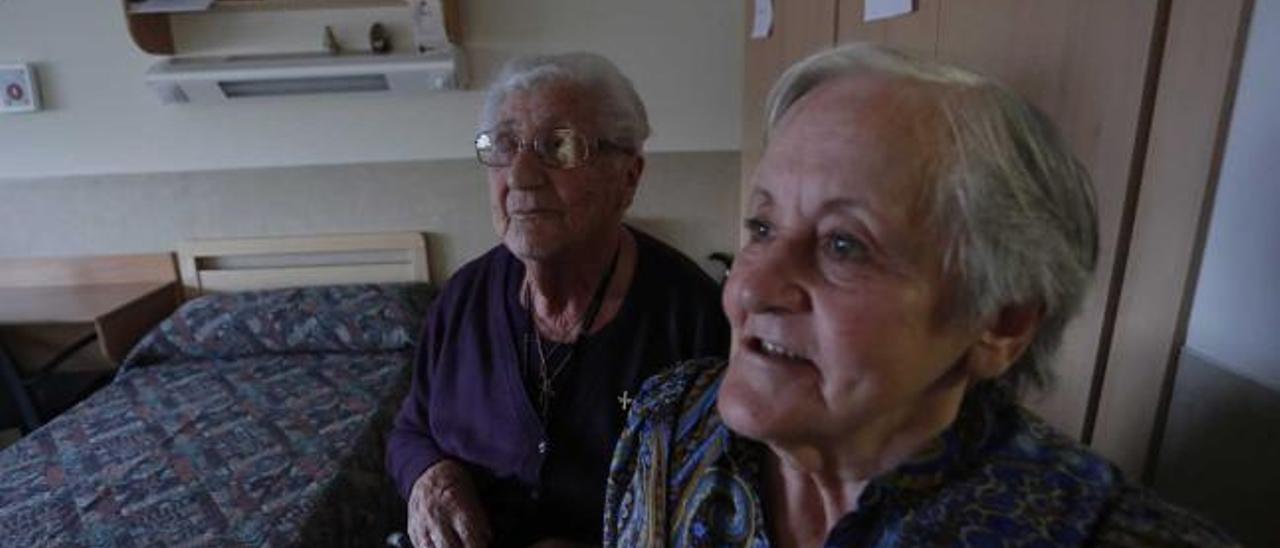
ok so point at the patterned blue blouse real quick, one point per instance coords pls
(998, 476)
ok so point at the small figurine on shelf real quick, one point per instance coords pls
(379, 39)
(428, 25)
(331, 43)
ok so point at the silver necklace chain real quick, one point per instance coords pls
(546, 382)
(548, 375)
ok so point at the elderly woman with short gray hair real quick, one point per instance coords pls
(917, 239)
(532, 352)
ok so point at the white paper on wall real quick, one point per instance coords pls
(168, 6)
(876, 10)
(763, 19)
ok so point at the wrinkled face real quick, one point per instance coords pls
(837, 300)
(540, 211)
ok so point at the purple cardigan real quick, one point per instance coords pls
(468, 400)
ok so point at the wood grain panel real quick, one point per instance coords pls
(152, 33)
(72, 304)
(1192, 107)
(1085, 63)
(916, 33)
(121, 296)
(799, 29)
(86, 270)
(121, 328)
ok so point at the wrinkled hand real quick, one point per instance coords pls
(445, 511)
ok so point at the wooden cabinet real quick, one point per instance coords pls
(1186, 121)
(153, 33)
(1095, 68)
(1085, 63)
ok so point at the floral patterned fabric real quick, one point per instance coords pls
(280, 448)
(998, 477)
(340, 318)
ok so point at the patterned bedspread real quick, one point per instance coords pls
(275, 448)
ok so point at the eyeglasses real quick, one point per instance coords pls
(560, 148)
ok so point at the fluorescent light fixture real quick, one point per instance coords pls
(303, 86)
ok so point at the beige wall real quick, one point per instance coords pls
(685, 198)
(107, 168)
(684, 56)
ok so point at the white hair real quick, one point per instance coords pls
(1014, 206)
(623, 119)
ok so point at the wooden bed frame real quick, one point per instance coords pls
(265, 263)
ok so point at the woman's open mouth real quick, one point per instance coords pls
(776, 350)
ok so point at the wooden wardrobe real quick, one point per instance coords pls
(1142, 90)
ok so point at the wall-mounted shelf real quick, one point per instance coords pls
(237, 5)
(152, 32)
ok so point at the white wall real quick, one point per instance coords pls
(1235, 320)
(685, 57)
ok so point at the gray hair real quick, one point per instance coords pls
(622, 115)
(1014, 206)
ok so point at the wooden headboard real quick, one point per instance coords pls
(266, 263)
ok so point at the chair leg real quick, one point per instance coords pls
(12, 384)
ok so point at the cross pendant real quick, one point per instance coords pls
(625, 401)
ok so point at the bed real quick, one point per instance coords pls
(254, 415)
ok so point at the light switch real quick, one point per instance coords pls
(18, 91)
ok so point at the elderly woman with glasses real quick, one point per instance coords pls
(917, 237)
(532, 353)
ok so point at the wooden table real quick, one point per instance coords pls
(119, 314)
